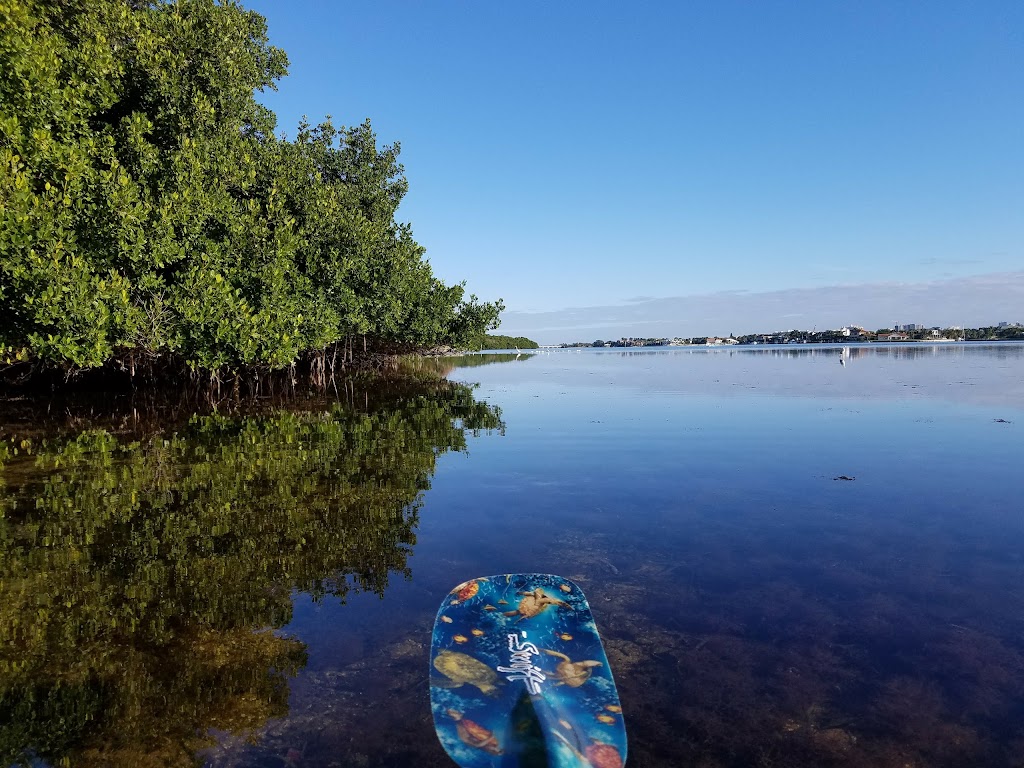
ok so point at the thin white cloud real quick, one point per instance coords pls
(932, 261)
(972, 301)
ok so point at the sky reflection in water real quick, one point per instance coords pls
(757, 610)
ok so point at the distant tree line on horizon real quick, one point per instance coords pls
(496, 341)
(152, 222)
(1002, 332)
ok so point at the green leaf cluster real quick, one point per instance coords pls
(149, 213)
(497, 341)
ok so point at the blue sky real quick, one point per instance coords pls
(590, 156)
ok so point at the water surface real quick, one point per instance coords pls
(259, 589)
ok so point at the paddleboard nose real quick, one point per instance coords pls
(519, 677)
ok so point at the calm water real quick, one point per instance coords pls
(258, 589)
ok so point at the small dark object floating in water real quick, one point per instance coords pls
(1002, 421)
(844, 477)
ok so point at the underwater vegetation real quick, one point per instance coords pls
(749, 620)
(823, 654)
(816, 655)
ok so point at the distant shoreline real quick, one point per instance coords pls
(846, 335)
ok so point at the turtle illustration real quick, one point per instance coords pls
(461, 668)
(465, 591)
(534, 603)
(601, 755)
(474, 734)
(596, 755)
(572, 673)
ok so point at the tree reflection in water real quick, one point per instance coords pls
(141, 575)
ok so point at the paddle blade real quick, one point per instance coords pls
(519, 678)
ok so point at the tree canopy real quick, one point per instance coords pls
(496, 341)
(150, 217)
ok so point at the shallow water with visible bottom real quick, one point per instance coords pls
(796, 556)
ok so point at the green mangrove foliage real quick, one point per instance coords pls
(496, 341)
(151, 220)
(141, 578)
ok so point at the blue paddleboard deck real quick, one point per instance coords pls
(519, 677)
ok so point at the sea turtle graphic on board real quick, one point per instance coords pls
(461, 668)
(572, 673)
(534, 603)
(601, 755)
(465, 591)
(474, 734)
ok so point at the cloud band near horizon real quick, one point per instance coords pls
(974, 301)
